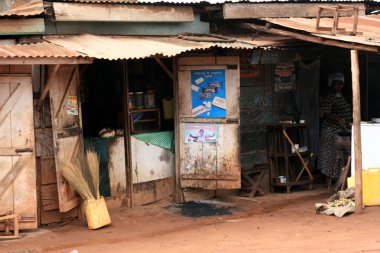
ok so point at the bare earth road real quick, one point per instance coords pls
(273, 223)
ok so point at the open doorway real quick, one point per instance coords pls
(128, 119)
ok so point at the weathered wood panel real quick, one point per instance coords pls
(152, 191)
(42, 117)
(150, 162)
(122, 13)
(68, 147)
(278, 10)
(48, 173)
(44, 142)
(16, 130)
(22, 26)
(15, 69)
(210, 165)
(116, 167)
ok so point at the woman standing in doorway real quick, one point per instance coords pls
(336, 115)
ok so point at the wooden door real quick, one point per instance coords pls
(67, 129)
(209, 94)
(17, 160)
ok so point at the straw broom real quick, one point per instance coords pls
(93, 168)
(74, 176)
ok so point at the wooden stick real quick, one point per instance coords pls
(13, 173)
(312, 38)
(48, 84)
(357, 130)
(163, 66)
(298, 154)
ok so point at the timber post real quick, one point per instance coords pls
(357, 130)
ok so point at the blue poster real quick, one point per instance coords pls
(208, 92)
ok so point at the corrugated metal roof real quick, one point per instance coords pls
(203, 1)
(32, 8)
(136, 47)
(38, 50)
(368, 28)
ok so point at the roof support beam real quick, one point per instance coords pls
(45, 61)
(310, 38)
(163, 66)
(122, 13)
(357, 131)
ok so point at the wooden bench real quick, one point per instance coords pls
(10, 221)
(252, 179)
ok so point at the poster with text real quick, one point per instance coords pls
(208, 92)
(201, 133)
(285, 79)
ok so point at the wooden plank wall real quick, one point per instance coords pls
(46, 172)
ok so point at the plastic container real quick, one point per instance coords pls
(139, 100)
(371, 189)
(168, 107)
(150, 98)
(131, 104)
(96, 212)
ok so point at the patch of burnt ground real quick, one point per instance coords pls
(199, 209)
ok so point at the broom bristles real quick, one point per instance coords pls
(74, 176)
(93, 168)
(84, 175)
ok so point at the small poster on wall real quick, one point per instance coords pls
(72, 105)
(285, 79)
(201, 133)
(208, 92)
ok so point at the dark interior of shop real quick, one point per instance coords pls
(102, 90)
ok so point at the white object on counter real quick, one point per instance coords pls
(370, 134)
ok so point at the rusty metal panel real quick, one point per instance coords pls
(189, 1)
(210, 165)
(43, 49)
(248, 10)
(31, 8)
(368, 28)
(139, 47)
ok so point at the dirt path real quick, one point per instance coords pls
(274, 223)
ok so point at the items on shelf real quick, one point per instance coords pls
(149, 98)
(141, 100)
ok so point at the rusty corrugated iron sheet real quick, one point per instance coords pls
(205, 1)
(368, 28)
(32, 8)
(137, 47)
(37, 50)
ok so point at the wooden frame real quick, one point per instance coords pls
(337, 11)
(7, 220)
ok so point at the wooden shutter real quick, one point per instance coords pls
(67, 129)
(210, 165)
(17, 160)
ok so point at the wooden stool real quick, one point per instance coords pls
(10, 220)
(251, 180)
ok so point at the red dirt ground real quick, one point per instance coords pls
(272, 223)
